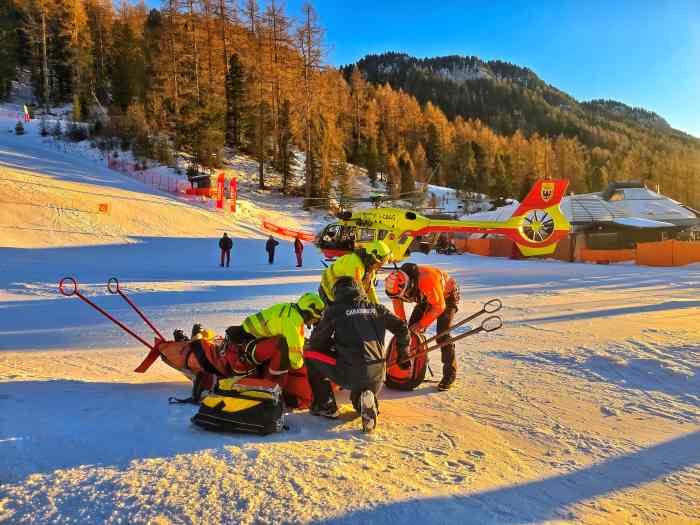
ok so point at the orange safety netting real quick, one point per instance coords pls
(288, 232)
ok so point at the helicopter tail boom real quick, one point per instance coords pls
(536, 226)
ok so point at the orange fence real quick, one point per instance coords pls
(664, 253)
(668, 253)
(607, 256)
(492, 247)
(205, 192)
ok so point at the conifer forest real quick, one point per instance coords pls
(209, 76)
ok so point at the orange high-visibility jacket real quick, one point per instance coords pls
(434, 285)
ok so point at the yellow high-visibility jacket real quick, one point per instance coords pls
(281, 320)
(349, 265)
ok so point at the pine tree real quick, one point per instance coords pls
(372, 162)
(408, 176)
(9, 45)
(433, 148)
(235, 103)
(393, 175)
(286, 160)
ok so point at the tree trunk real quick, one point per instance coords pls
(45, 58)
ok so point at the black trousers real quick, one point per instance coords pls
(271, 256)
(322, 370)
(449, 360)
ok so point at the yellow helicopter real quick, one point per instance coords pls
(536, 226)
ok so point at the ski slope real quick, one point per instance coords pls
(584, 408)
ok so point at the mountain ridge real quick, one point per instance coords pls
(506, 96)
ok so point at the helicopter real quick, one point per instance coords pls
(536, 226)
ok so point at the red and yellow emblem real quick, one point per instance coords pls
(547, 191)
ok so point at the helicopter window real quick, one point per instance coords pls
(330, 235)
(347, 237)
(381, 234)
(366, 235)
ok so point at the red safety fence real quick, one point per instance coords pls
(288, 232)
(204, 192)
(155, 180)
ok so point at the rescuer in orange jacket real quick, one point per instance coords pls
(437, 297)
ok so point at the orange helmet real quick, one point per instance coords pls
(397, 284)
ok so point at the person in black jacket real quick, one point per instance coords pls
(347, 347)
(270, 246)
(225, 243)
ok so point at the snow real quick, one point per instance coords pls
(584, 408)
(638, 222)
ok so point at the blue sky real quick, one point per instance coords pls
(643, 53)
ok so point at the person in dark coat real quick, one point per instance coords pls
(298, 250)
(347, 347)
(225, 243)
(270, 246)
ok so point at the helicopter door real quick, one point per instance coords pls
(366, 235)
(347, 238)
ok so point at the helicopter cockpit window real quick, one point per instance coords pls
(330, 236)
(381, 235)
(404, 238)
(366, 235)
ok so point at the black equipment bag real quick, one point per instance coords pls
(251, 405)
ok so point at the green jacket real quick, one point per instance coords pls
(349, 265)
(281, 320)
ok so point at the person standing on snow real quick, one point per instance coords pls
(362, 265)
(225, 243)
(347, 347)
(270, 246)
(436, 295)
(298, 250)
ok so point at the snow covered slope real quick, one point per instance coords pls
(584, 408)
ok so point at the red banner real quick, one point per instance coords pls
(220, 191)
(233, 193)
(287, 232)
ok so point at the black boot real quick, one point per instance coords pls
(449, 374)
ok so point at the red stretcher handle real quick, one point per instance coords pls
(114, 285)
(113, 288)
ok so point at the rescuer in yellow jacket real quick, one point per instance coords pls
(284, 320)
(361, 265)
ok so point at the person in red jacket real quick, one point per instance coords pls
(298, 250)
(437, 297)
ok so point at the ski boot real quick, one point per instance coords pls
(368, 411)
(328, 409)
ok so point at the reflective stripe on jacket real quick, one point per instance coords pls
(281, 320)
(349, 265)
